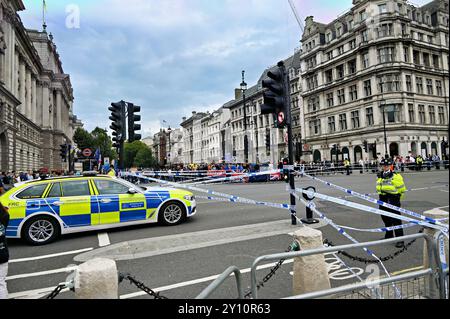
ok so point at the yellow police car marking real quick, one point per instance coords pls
(77, 205)
(109, 218)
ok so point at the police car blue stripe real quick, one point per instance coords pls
(133, 215)
(77, 220)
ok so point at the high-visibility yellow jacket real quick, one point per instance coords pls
(112, 173)
(391, 186)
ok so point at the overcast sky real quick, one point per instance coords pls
(171, 57)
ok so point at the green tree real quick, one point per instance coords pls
(104, 143)
(138, 154)
(83, 138)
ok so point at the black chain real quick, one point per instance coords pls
(140, 285)
(373, 261)
(56, 292)
(272, 272)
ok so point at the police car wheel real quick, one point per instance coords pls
(41, 230)
(172, 213)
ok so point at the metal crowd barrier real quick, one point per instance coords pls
(435, 276)
(434, 280)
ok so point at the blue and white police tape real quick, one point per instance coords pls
(211, 192)
(330, 222)
(274, 205)
(242, 176)
(365, 208)
(381, 203)
(380, 230)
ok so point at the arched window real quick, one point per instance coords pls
(434, 149)
(423, 149)
(345, 153)
(414, 149)
(393, 149)
(317, 156)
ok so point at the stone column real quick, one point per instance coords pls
(28, 93)
(46, 120)
(22, 80)
(59, 110)
(34, 107)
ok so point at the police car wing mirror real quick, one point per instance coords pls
(132, 191)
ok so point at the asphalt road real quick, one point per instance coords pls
(181, 261)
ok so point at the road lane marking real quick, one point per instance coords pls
(406, 270)
(103, 239)
(42, 273)
(148, 247)
(19, 260)
(442, 190)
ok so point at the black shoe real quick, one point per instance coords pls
(400, 244)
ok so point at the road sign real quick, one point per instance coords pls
(87, 152)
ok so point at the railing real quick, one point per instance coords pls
(220, 280)
(435, 282)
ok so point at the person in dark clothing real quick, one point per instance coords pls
(4, 253)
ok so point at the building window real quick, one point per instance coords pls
(432, 112)
(412, 115)
(352, 44)
(352, 66)
(353, 92)
(364, 36)
(369, 116)
(435, 61)
(363, 15)
(419, 85)
(340, 50)
(355, 119)
(331, 124)
(343, 122)
(389, 83)
(382, 8)
(330, 99)
(384, 30)
(313, 104)
(329, 76)
(430, 87)
(406, 54)
(422, 114)
(441, 115)
(341, 96)
(416, 57)
(438, 88)
(408, 83)
(365, 60)
(386, 54)
(340, 71)
(314, 127)
(350, 24)
(426, 59)
(330, 55)
(367, 88)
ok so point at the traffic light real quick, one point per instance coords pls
(63, 152)
(366, 146)
(133, 126)
(275, 97)
(285, 170)
(268, 141)
(118, 123)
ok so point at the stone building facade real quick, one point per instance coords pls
(36, 96)
(380, 67)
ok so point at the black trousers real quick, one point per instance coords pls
(389, 221)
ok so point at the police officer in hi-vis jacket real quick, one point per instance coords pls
(391, 189)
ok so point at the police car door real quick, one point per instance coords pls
(117, 204)
(75, 204)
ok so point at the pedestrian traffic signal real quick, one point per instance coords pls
(133, 124)
(118, 123)
(275, 97)
(63, 152)
(366, 146)
(285, 162)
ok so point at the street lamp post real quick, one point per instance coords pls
(383, 105)
(244, 89)
(169, 130)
